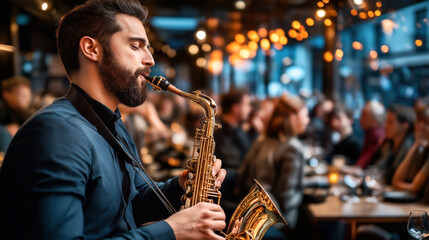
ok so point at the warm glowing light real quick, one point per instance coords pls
(321, 13)
(44, 6)
(274, 37)
(201, 35)
(278, 46)
(292, 33)
(418, 42)
(299, 37)
(333, 177)
(378, 4)
(240, 38)
(309, 22)
(325, 1)
(235, 60)
(6, 48)
(193, 49)
(262, 32)
(362, 15)
(373, 54)
(171, 53)
(233, 47)
(265, 44)
(354, 12)
(333, 13)
(283, 40)
(215, 66)
(377, 13)
(253, 35)
(358, 2)
(373, 65)
(371, 14)
(218, 41)
(339, 54)
(304, 34)
(240, 4)
(384, 48)
(201, 62)
(206, 47)
(296, 24)
(357, 45)
(328, 56)
(244, 53)
(327, 22)
(252, 45)
(280, 32)
(388, 25)
(320, 4)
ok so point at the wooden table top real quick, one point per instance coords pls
(335, 209)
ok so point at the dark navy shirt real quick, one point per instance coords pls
(61, 180)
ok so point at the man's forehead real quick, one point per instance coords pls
(131, 25)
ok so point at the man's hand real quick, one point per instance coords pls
(217, 172)
(198, 222)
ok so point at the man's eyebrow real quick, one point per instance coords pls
(139, 39)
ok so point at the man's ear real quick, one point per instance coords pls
(90, 48)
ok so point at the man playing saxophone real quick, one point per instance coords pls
(61, 179)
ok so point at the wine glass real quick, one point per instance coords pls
(417, 225)
(353, 179)
(374, 182)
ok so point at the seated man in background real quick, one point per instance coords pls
(349, 146)
(372, 122)
(399, 138)
(232, 142)
(16, 107)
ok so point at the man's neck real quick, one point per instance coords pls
(95, 89)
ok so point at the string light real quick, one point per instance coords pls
(309, 22)
(321, 13)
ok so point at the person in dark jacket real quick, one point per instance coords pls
(61, 179)
(349, 145)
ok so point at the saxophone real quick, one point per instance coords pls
(256, 213)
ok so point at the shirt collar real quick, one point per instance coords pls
(107, 116)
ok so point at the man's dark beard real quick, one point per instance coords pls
(122, 82)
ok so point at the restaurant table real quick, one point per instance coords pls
(362, 212)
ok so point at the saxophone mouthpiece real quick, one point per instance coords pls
(158, 83)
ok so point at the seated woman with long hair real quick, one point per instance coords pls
(413, 173)
(276, 159)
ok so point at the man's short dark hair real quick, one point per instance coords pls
(232, 97)
(338, 109)
(96, 19)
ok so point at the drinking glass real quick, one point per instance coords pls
(417, 225)
(353, 179)
(374, 182)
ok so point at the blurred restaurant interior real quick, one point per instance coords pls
(351, 49)
(348, 51)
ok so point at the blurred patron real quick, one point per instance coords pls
(16, 106)
(399, 139)
(372, 121)
(232, 142)
(276, 160)
(413, 172)
(318, 132)
(349, 146)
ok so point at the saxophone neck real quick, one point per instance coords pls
(206, 103)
